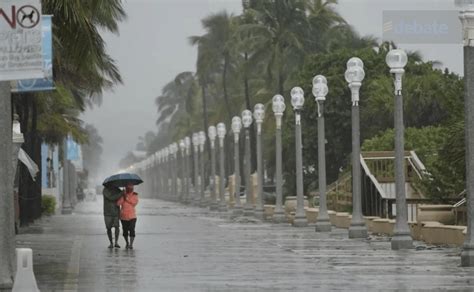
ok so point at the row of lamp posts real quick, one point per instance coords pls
(193, 189)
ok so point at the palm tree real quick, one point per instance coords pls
(216, 50)
(82, 70)
(278, 32)
(177, 96)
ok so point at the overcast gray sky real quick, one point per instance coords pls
(153, 47)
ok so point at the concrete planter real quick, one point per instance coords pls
(440, 213)
(268, 211)
(383, 226)
(369, 223)
(437, 233)
(343, 220)
(290, 204)
(332, 217)
(312, 214)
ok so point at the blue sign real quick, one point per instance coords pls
(42, 84)
(72, 149)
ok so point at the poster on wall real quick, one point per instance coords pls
(46, 83)
(21, 49)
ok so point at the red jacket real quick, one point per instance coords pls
(127, 204)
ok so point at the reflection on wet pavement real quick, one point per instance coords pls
(181, 248)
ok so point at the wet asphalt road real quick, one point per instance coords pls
(181, 248)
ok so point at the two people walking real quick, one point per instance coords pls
(120, 204)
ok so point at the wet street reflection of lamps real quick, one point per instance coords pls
(320, 90)
(259, 116)
(354, 76)
(401, 239)
(278, 106)
(202, 180)
(467, 20)
(221, 132)
(236, 127)
(297, 101)
(247, 122)
(212, 133)
(196, 188)
(188, 172)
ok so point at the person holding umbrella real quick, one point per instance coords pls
(128, 215)
(112, 212)
(120, 204)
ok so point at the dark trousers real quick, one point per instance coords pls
(128, 227)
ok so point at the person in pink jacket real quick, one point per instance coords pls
(128, 215)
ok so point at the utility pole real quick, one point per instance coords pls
(7, 238)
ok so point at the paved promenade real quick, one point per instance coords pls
(180, 248)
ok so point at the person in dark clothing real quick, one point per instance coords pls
(112, 213)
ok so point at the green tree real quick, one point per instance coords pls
(81, 73)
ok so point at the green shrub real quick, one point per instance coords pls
(48, 205)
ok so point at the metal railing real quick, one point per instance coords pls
(378, 177)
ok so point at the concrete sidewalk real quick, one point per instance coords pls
(180, 248)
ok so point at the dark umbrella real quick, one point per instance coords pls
(122, 179)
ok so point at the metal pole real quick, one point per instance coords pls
(66, 203)
(183, 176)
(222, 203)
(158, 177)
(202, 181)
(248, 208)
(300, 216)
(259, 213)
(467, 255)
(196, 175)
(214, 205)
(279, 214)
(357, 228)
(167, 176)
(188, 175)
(323, 224)
(238, 206)
(401, 235)
(7, 239)
(175, 175)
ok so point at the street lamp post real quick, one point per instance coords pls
(154, 173)
(196, 188)
(259, 116)
(278, 107)
(212, 133)
(174, 168)
(158, 174)
(236, 127)
(320, 90)
(401, 239)
(297, 101)
(467, 20)
(221, 132)
(247, 121)
(202, 180)
(188, 173)
(66, 200)
(354, 76)
(182, 148)
(166, 172)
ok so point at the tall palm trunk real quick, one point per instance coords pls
(224, 87)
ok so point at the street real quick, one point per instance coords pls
(181, 248)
